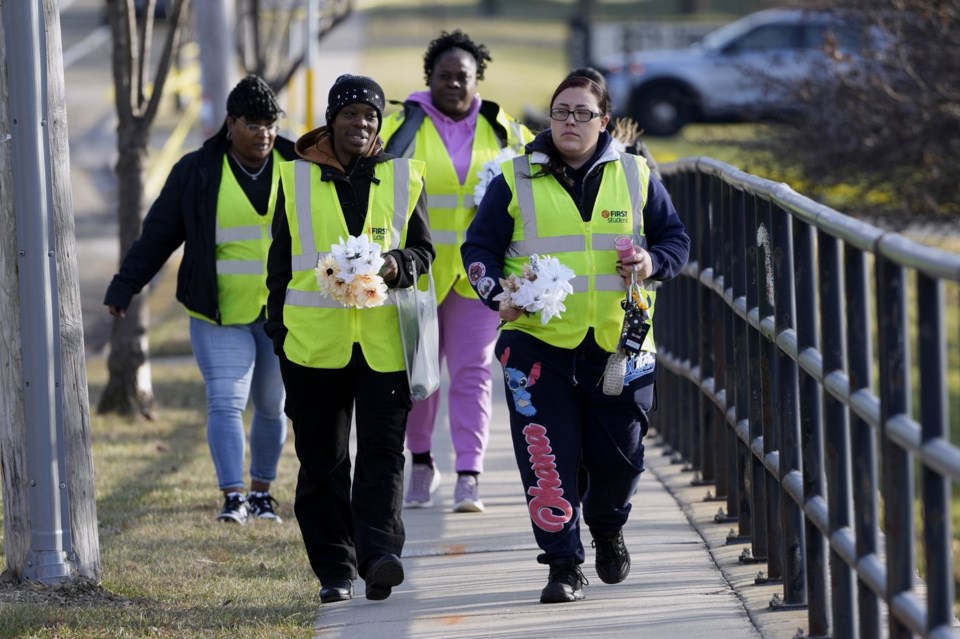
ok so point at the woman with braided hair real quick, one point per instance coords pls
(218, 202)
(456, 133)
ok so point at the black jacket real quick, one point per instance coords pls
(353, 190)
(185, 213)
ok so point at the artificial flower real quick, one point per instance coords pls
(542, 287)
(490, 170)
(350, 273)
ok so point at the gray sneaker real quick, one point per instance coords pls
(423, 481)
(466, 495)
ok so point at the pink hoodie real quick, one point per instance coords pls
(456, 136)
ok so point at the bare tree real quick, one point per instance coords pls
(264, 30)
(129, 388)
(885, 119)
(74, 409)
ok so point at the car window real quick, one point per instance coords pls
(768, 37)
(842, 37)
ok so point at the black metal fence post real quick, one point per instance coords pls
(837, 430)
(811, 428)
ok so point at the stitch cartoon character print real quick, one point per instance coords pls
(518, 382)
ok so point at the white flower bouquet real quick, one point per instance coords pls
(350, 273)
(543, 286)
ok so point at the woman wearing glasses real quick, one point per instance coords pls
(218, 202)
(570, 196)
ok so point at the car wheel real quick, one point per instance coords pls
(662, 110)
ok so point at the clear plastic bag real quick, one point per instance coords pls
(420, 333)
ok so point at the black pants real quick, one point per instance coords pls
(344, 528)
(575, 447)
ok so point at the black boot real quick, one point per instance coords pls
(564, 584)
(612, 560)
(384, 572)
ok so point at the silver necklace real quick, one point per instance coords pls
(252, 176)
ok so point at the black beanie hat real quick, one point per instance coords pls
(349, 89)
(253, 99)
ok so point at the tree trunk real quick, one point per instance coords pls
(73, 395)
(129, 389)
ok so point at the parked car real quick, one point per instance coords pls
(727, 75)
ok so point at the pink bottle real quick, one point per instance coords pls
(624, 246)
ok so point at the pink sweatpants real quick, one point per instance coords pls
(468, 331)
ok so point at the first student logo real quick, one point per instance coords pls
(614, 216)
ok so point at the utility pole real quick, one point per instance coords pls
(312, 35)
(44, 414)
(214, 23)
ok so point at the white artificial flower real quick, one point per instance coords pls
(350, 273)
(543, 287)
(490, 170)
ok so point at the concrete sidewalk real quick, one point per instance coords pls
(476, 575)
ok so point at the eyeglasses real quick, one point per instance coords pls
(580, 115)
(257, 129)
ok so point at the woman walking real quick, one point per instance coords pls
(342, 360)
(218, 203)
(571, 196)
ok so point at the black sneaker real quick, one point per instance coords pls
(234, 509)
(261, 506)
(612, 560)
(565, 583)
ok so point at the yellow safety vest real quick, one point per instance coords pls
(451, 204)
(547, 222)
(320, 330)
(242, 243)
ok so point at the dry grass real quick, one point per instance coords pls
(169, 568)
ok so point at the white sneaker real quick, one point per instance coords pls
(466, 495)
(424, 480)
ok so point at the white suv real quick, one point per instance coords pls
(727, 75)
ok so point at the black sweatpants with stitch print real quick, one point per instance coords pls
(560, 419)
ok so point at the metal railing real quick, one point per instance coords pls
(768, 391)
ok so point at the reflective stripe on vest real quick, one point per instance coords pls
(587, 248)
(320, 329)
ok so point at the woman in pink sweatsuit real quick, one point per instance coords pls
(456, 134)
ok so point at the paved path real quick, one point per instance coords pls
(476, 575)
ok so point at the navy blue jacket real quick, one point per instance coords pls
(490, 232)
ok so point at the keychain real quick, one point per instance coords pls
(636, 325)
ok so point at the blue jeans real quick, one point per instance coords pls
(238, 363)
